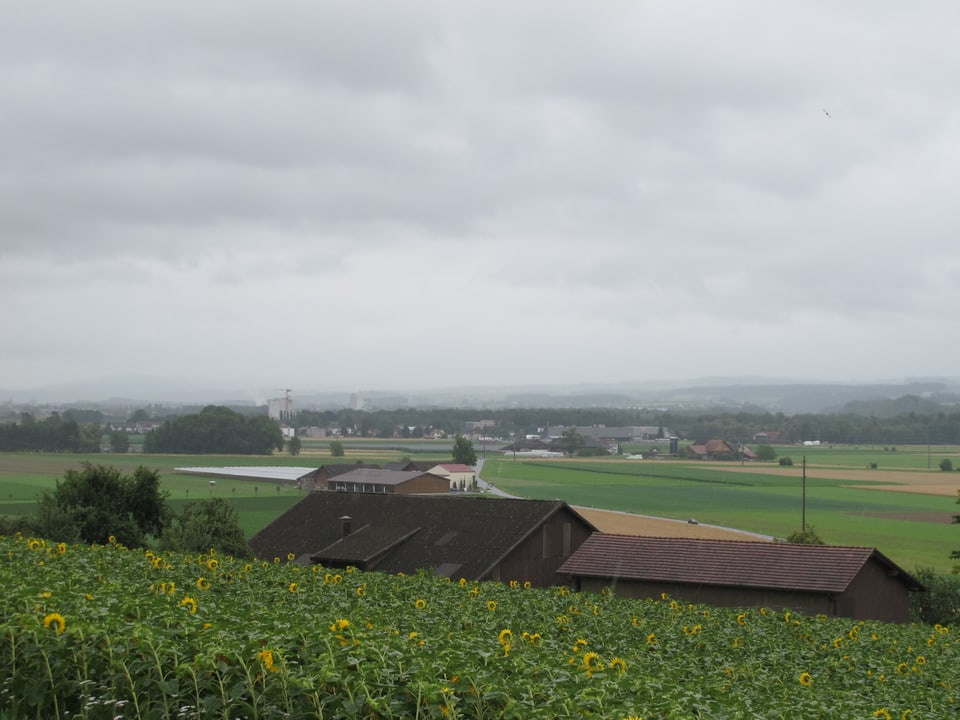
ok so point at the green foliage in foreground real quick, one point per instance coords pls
(103, 632)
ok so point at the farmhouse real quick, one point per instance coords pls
(719, 449)
(320, 478)
(460, 477)
(859, 583)
(477, 538)
(378, 480)
(526, 445)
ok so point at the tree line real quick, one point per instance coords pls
(53, 434)
(216, 429)
(941, 428)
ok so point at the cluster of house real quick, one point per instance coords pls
(547, 543)
(720, 450)
(402, 478)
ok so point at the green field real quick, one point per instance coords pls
(24, 476)
(840, 511)
(914, 530)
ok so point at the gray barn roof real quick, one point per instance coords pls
(460, 536)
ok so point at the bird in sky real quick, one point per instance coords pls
(826, 113)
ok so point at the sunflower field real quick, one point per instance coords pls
(109, 632)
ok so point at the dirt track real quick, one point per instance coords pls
(921, 482)
(612, 521)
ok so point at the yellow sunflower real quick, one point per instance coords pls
(266, 657)
(618, 664)
(505, 637)
(55, 621)
(339, 625)
(591, 662)
(805, 679)
(420, 604)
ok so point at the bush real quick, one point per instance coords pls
(205, 525)
(805, 537)
(97, 502)
(946, 465)
(940, 604)
(766, 453)
(786, 461)
(336, 448)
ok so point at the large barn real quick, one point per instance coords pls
(455, 535)
(854, 582)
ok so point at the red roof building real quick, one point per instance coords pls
(854, 582)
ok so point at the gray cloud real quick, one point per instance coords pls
(559, 191)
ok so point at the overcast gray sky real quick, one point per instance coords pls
(358, 195)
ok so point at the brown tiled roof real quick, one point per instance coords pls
(379, 476)
(466, 535)
(456, 467)
(334, 469)
(813, 568)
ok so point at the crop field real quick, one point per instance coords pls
(905, 512)
(900, 507)
(108, 632)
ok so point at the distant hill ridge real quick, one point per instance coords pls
(753, 395)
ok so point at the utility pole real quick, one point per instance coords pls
(803, 497)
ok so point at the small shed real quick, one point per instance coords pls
(855, 582)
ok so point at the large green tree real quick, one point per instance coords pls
(97, 502)
(119, 441)
(463, 451)
(571, 441)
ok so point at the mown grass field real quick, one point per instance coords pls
(913, 529)
(107, 632)
(24, 476)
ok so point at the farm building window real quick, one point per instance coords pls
(546, 541)
(567, 530)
